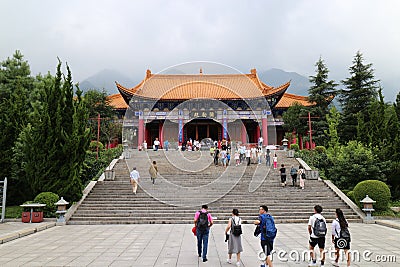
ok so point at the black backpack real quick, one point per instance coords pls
(345, 234)
(202, 223)
(236, 229)
(319, 228)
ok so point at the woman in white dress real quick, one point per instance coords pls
(234, 241)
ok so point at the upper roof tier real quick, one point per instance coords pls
(189, 86)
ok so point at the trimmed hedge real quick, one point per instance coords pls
(295, 147)
(49, 199)
(377, 190)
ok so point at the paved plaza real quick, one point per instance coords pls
(174, 245)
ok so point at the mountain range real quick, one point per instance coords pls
(105, 80)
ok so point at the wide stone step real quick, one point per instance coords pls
(112, 202)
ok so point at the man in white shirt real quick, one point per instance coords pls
(317, 223)
(134, 179)
(156, 144)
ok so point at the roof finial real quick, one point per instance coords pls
(201, 70)
(253, 71)
(148, 73)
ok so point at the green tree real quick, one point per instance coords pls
(97, 103)
(360, 90)
(15, 87)
(51, 149)
(355, 163)
(397, 105)
(293, 121)
(321, 94)
(333, 119)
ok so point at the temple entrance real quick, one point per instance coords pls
(199, 129)
(253, 130)
(152, 131)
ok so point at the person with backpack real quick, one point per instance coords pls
(302, 176)
(341, 237)
(282, 171)
(317, 230)
(203, 221)
(234, 240)
(293, 173)
(267, 232)
(153, 171)
(268, 158)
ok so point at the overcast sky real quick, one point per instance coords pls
(131, 36)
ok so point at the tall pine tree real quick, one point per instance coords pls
(359, 92)
(321, 93)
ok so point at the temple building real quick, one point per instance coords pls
(178, 107)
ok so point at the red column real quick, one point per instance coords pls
(161, 133)
(264, 126)
(141, 132)
(257, 133)
(244, 134)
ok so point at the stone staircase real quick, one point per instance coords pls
(189, 179)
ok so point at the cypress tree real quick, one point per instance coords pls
(50, 151)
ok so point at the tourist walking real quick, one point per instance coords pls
(268, 158)
(203, 221)
(216, 156)
(134, 175)
(302, 176)
(248, 154)
(144, 145)
(317, 230)
(341, 237)
(275, 160)
(237, 158)
(293, 174)
(156, 144)
(260, 141)
(267, 232)
(223, 158)
(166, 145)
(259, 154)
(235, 240)
(153, 170)
(282, 170)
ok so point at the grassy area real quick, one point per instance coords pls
(13, 212)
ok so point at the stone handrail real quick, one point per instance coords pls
(87, 190)
(347, 200)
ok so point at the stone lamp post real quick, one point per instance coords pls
(285, 144)
(368, 208)
(109, 174)
(61, 210)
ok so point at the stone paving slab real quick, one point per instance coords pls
(13, 230)
(174, 245)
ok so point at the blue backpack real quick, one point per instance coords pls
(268, 227)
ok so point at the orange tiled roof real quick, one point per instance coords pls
(117, 101)
(289, 99)
(183, 87)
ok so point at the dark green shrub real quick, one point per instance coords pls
(295, 147)
(93, 146)
(320, 149)
(376, 190)
(350, 195)
(49, 199)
